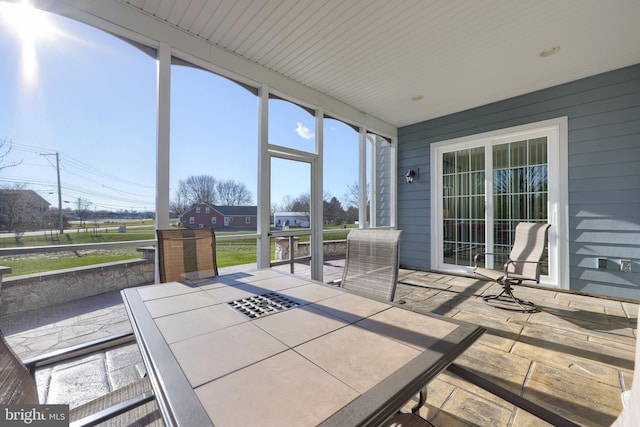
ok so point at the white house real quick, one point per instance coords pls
(295, 219)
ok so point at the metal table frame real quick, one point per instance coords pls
(180, 405)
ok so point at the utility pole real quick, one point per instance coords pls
(59, 191)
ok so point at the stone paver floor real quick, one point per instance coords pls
(574, 356)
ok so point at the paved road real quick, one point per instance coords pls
(101, 227)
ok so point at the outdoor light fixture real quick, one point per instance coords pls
(411, 175)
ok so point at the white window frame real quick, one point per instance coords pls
(198, 209)
(558, 212)
(192, 220)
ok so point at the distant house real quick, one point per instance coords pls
(292, 219)
(24, 209)
(204, 215)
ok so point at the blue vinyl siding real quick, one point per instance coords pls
(604, 173)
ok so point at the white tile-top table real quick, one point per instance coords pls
(323, 356)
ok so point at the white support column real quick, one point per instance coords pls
(394, 182)
(373, 141)
(317, 190)
(162, 144)
(163, 131)
(264, 180)
(362, 179)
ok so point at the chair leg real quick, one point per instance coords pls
(506, 299)
(422, 399)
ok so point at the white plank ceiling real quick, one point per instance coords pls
(448, 55)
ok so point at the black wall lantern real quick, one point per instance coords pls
(412, 174)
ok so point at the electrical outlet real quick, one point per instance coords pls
(625, 265)
(602, 263)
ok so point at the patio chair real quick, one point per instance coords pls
(186, 254)
(371, 265)
(371, 268)
(523, 264)
(130, 405)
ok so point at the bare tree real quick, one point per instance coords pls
(180, 203)
(352, 196)
(82, 208)
(11, 208)
(198, 189)
(21, 210)
(286, 205)
(233, 193)
(5, 148)
(302, 203)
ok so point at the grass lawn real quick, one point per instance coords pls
(38, 263)
(229, 253)
(78, 237)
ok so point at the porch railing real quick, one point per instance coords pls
(32, 291)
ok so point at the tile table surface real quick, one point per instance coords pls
(334, 358)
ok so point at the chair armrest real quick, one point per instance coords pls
(78, 350)
(336, 282)
(481, 255)
(516, 261)
(114, 411)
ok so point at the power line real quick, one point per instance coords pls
(79, 164)
(102, 174)
(79, 190)
(59, 190)
(84, 171)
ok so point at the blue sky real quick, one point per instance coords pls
(92, 98)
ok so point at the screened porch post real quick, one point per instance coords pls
(264, 180)
(317, 248)
(394, 182)
(163, 129)
(163, 139)
(362, 178)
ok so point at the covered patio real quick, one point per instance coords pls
(420, 84)
(415, 79)
(574, 357)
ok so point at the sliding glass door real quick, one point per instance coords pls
(463, 200)
(484, 187)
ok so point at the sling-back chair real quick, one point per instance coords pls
(371, 265)
(371, 268)
(133, 404)
(186, 254)
(523, 264)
